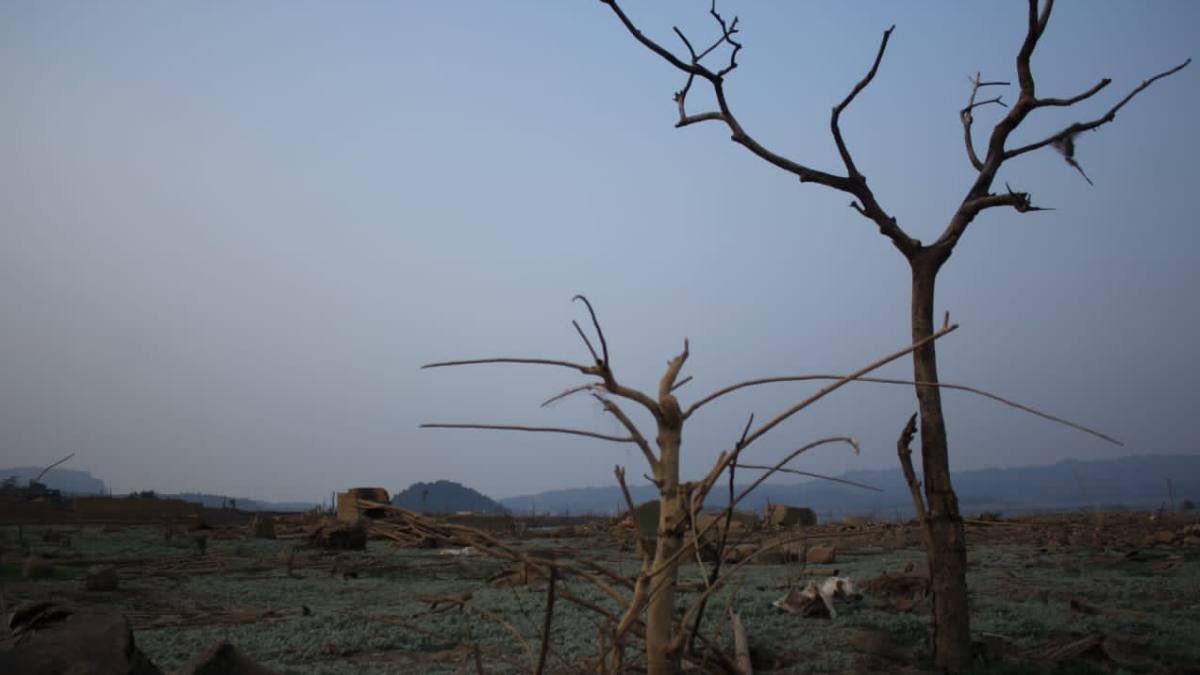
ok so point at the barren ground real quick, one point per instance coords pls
(1095, 592)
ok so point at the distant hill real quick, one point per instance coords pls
(68, 481)
(1133, 482)
(240, 503)
(445, 496)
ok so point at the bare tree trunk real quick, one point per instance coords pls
(661, 659)
(947, 552)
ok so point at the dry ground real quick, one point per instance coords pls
(1099, 592)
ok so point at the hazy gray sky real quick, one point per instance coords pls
(232, 232)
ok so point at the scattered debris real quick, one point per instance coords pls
(741, 646)
(466, 550)
(350, 511)
(816, 600)
(901, 590)
(329, 533)
(821, 555)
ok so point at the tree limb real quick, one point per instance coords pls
(853, 184)
(514, 427)
(1107, 117)
(810, 474)
(910, 477)
(586, 370)
(886, 380)
(634, 433)
(825, 391)
(968, 118)
(834, 128)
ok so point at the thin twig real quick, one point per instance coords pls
(541, 662)
(587, 370)
(810, 474)
(568, 392)
(514, 427)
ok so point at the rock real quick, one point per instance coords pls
(782, 515)
(262, 527)
(53, 639)
(821, 555)
(223, 659)
(37, 567)
(100, 578)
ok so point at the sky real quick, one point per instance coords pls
(233, 232)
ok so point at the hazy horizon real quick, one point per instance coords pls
(233, 233)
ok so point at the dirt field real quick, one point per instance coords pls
(1100, 592)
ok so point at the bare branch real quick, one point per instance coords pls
(910, 477)
(792, 455)
(514, 427)
(886, 380)
(619, 472)
(1021, 201)
(857, 187)
(810, 474)
(587, 370)
(1037, 26)
(825, 391)
(634, 433)
(568, 392)
(1078, 127)
(549, 617)
(694, 69)
(673, 367)
(851, 169)
(596, 324)
(681, 383)
(727, 37)
(968, 118)
(583, 336)
(1063, 102)
(47, 469)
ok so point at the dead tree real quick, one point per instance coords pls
(947, 552)
(679, 501)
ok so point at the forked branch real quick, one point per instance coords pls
(967, 115)
(1078, 127)
(835, 128)
(853, 183)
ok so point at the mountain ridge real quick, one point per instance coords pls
(1131, 482)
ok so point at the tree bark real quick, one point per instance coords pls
(661, 659)
(947, 552)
